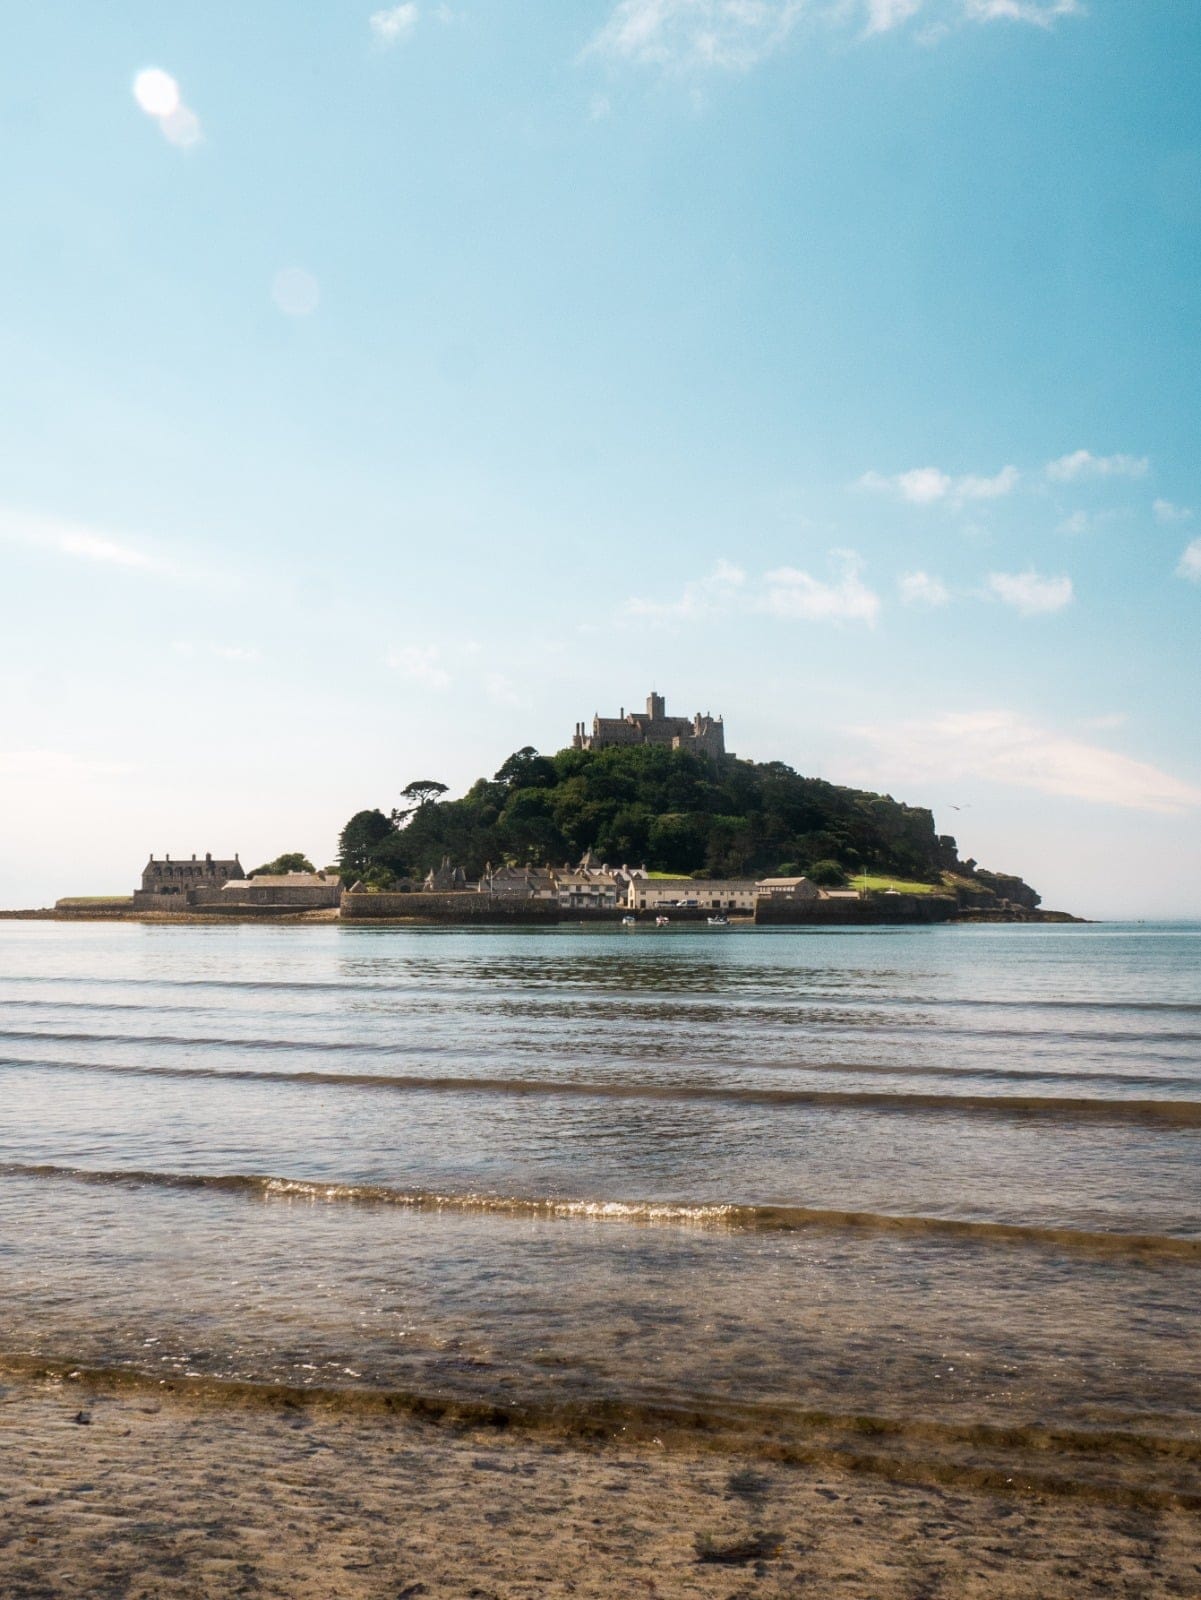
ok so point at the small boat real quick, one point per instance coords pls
(629, 922)
(661, 922)
(718, 922)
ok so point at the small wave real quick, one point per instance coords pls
(606, 1055)
(1107, 1465)
(723, 990)
(1170, 1113)
(729, 1217)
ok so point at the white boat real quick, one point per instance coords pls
(629, 922)
(661, 922)
(718, 921)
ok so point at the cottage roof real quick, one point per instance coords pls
(780, 883)
(285, 880)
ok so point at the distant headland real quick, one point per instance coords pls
(644, 815)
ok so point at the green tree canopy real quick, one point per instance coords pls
(358, 842)
(290, 861)
(671, 809)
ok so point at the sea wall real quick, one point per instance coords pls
(280, 897)
(874, 910)
(425, 907)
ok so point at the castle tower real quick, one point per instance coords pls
(656, 707)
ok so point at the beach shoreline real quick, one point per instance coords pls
(146, 1493)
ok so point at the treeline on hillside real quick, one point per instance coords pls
(669, 810)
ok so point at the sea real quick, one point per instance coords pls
(921, 1201)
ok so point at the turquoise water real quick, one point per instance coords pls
(944, 1177)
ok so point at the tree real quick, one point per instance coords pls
(420, 793)
(526, 769)
(358, 841)
(290, 861)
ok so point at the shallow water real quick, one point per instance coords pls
(941, 1178)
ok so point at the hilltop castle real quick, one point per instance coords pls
(703, 735)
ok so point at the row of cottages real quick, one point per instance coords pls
(593, 887)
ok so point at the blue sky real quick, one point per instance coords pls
(384, 389)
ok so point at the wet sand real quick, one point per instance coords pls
(142, 1495)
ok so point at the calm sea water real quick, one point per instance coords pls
(785, 1187)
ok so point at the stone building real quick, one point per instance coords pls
(289, 890)
(702, 894)
(787, 889)
(519, 883)
(446, 879)
(703, 735)
(166, 883)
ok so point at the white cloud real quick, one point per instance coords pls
(1190, 562)
(1042, 13)
(882, 15)
(687, 34)
(79, 541)
(682, 35)
(296, 292)
(158, 95)
(1031, 594)
(1076, 523)
(1167, 513)
(1083, 464)
(793, 593)
(784, 592)
(394, 24)
(420, 664)
(920, 589)
(701, 598)
(501, 690)
(1004, 747)
(926, 486)
(222, 652)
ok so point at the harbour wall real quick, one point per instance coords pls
(872, 911)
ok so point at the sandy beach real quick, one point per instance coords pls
(140, 1496)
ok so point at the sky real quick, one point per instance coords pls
(382, 390)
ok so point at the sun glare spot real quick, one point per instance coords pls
(156, 92)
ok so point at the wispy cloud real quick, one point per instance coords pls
(920, 589)
(683, 34)
(1190, 562)
(884, 15)
(691, 35)
(420, 664)
(1084, 464)
(245, 654)
(701, 598)
(1030, 593)
(158, 95)
(295, 291)
(81, 543)
(1165, 512)
(1004, 747)
(792, 593)
(502, 691)
(1075, 523)
(783, 592)
(394, 23)
(927, 486)
(1042, 13)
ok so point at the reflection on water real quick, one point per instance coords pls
(656, 1175)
